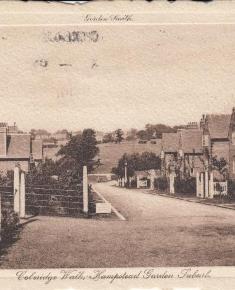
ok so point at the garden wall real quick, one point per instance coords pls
(48, 201)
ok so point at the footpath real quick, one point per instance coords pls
(211, 202)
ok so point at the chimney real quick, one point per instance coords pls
(3, 141)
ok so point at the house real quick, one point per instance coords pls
(17, 148)
(170, 149)
(232, 146)
(183, 150)
(190, 146)
(219, 138)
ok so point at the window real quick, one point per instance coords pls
(233, 138)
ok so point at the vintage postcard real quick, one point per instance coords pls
(117, 145)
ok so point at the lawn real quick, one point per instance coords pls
(110, 153)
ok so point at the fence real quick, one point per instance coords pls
(208, 188)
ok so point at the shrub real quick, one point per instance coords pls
(161, 183)
(10, 222)
(133, 183)
(231, 189)
(185, 186)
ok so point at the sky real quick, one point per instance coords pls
(131, 76)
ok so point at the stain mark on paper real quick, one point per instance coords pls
(65, 64)
(41, 62)
(74, 36)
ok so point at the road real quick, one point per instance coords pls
(158, 231)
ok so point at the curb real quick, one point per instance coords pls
(195, 201)
(118, 214)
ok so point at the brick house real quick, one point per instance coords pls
(183, 149)
(17, 148)
(219, 138)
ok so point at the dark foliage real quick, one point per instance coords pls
(161, 184)
(135, 162)
(9, 222)
(185, 186)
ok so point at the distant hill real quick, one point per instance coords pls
(110, 153)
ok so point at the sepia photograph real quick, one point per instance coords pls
(117, 139)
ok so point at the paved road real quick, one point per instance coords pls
(159, 231)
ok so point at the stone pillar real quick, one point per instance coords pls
(206, 185)
(172, 183)
(17, 189)
(202, 185)
(138, 181)
(152, 178)
(22, 195)
(198, 185)
(85, 190)
(123, 182)
(211, 186)
(125, 178)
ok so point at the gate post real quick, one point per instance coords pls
(17, 189)
(198, 194)
(85, 190)
(202, 185)
(211, 186)
(137, 181)
(152, 178)
(123, 182)
(206, 184)
(22, 194)
(172, 183)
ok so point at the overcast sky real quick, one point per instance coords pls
(133, 75)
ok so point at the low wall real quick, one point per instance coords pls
(46, 201)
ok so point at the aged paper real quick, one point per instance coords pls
(154, 83)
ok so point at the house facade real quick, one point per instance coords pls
(193, 148)
(182, 151)
(232, 146)
(17, 148)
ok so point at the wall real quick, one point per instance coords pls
(6, 165)
(232, 157)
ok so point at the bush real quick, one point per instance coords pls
(133, 183)
(10, 221)
(185, 186)
(231, 189)
(161, 183)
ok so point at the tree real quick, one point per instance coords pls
(119, 136)
(142, 135)
(136, 161)
(108, 138)
(131, 135)
(79, 151)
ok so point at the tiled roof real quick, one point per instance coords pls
(170, 142)
(37, 149)
(218, 125)
(191, 141)
(18, 146)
